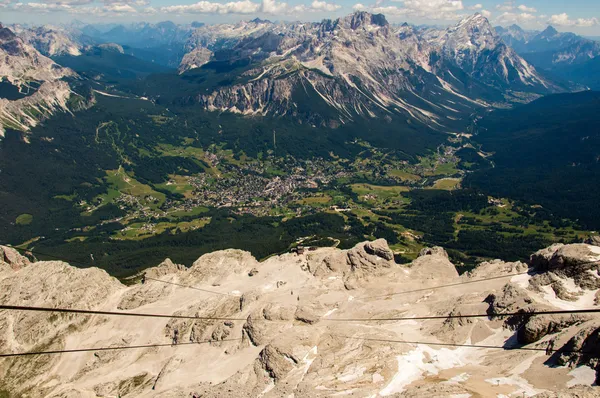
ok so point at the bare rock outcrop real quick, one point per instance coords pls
(370, 259)
(490, 269)
(151, 291)
(578, 261)
(530, 328)
(583, 349)
(433, 251)
(578, 391)
(593, 240)
(279, 357)
(266, 342)
(11, 258)
(257, 332)
(379, 248)
(167, 267)
(195, 59)
(309, 314)
(433, 263)
(538, 326)
(214, 267)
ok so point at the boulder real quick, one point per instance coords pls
(379, 248)
(370, 260)
(308, 314)
(583, 349)
(593, 240)
(11, 258)
(512, 299)
(538, 326)
(275, 362)
(587, 341)
(279, 312)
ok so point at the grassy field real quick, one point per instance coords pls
(178, 184)
(380, 192)
(404, 175)
(140, 231)
(196, 211)
(447, 184)
(316, 200)
(24, 219)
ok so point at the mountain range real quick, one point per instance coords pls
(398, 108)
(326, 73)
(563, 55)
(33, 86)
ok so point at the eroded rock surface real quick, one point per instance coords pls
(314, 324)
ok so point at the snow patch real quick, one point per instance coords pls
(582, 375)
(424, 359)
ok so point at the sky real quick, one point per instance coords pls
(580, 16)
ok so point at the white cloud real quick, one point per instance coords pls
(515, 17)
(476, 7)
(67, 2)
(524, 8)
(120, 8)
(41, 7)
(207, 7)
(272, 7)
(149, 11)
(324, 6)
(430, 9)
(486, 13)
(359, 7)
(506, 6)
(564, 20)
(134, 2)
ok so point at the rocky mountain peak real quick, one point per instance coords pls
(6, 34)
(363, 19)
(476, 24)
(471, 35)
(260, 21)
(549, 32)
(515, 28)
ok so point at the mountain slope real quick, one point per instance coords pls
(52, 41)
(545, 153)
(564, 55)
(360, 66)
(474, 46)
(38, 77)
(283, 334)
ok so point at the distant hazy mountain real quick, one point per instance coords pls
(325, 73)
(52, 41)
(516, 37)
(564, 55)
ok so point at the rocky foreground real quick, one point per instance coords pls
(287, 342)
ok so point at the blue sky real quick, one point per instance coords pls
(580, 16)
